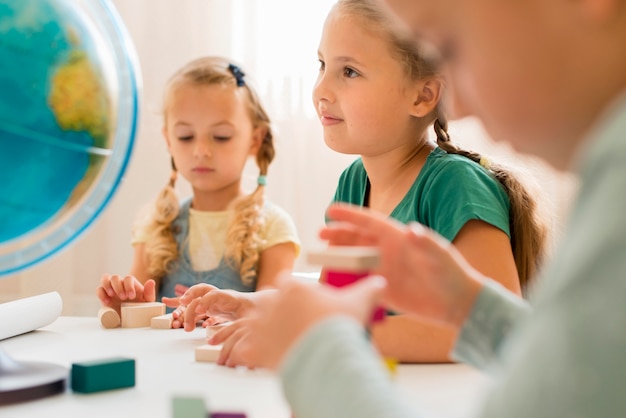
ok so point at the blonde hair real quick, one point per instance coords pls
(243, 241)
(528, 230)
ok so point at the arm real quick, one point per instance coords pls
(335, 363)
(273, 261)
(411, 340)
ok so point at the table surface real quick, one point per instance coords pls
(165, 367)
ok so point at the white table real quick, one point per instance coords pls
(165, 367)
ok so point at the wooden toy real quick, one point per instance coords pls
(104, 374)
(109, 318)
(162, 321)
(188, 407)
(139, 314)
(208, 353)
(344, 265)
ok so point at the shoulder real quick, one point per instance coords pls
(273, 211)
(277, 218)
(456, 190)
(278, 226)
(452, 171)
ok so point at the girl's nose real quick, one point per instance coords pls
(202, 148)
(322, 90)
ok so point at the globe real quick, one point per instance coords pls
(69, 84)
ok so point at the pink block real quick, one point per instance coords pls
(344, 278)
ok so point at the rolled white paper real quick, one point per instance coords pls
(27, 314)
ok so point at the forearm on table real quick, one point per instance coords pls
(494, 314)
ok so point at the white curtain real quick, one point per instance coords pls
(275, 41)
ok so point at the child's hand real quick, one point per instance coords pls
(212, 305)
(181, 303)
(115, 289)
(264, 337)
(427, 276)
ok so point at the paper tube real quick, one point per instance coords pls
(27, 314)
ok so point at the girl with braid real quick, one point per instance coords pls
(220, 237)
(376, 95)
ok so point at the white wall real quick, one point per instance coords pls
(302, 179)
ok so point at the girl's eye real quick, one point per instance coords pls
(350, 73)
(221, 138)
(185, 138)
(322, 65)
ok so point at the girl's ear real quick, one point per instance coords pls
(258, 135)
(428, 94)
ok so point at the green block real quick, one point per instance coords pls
(104, 374)
(188, 407)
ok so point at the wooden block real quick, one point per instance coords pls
(109, 318)
(139, 314)
(212, 329)
(345, 258)
(345, 265)
(162, 321)
(208, 353)
(188, 407)
(104, 374)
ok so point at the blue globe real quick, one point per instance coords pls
(69, 84)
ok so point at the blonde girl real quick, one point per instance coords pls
(220, 237)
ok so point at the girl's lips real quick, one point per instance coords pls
(329, 120)
(202, 169)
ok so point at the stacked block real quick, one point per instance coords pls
(139, 314)
(345, 265)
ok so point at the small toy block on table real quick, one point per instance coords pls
(162, 321)
(109, 318)
(208, 353)
(103, 374)
(345, 265)
(188, 407)
(139, 314)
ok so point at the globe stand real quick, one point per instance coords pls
(26, 381)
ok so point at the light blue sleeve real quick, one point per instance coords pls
(334, 372)
(495, 312)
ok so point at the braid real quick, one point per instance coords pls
(528, 231)
(243, 236)
(161, 247)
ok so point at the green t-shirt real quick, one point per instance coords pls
(449, 191)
